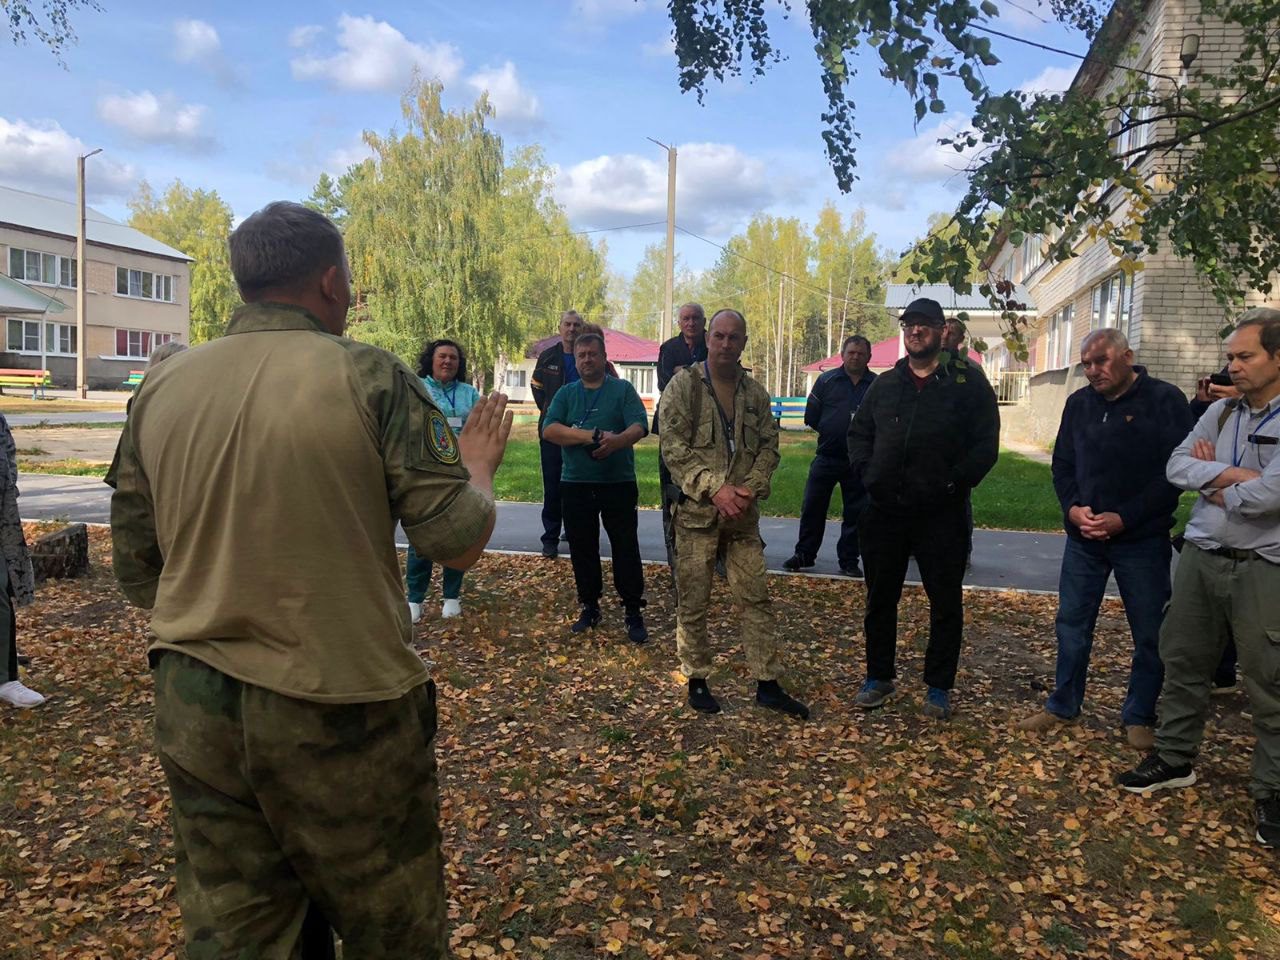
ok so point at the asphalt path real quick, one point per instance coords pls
(1001, 558)
(64, 419)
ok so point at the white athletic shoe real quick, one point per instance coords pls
(451, 608)
(16, 695)
(415, 612)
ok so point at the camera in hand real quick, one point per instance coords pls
(1220, 380)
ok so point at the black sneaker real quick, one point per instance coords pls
(590, 617)
(769, 693)
(796, 563)
(1154, 774)
(852, 570)
(1268, 817)
(700, 697)
(550, 551)
(636, 631)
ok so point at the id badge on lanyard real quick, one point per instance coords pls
(455, 423)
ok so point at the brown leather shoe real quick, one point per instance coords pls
(1140, 737)
(1042, 721)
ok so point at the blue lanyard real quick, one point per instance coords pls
(1236, 456)
(450, 395)
(595, 402)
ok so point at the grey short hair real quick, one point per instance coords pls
(1268, 323)
(570, 313)
(1110, 336)
(729, 310)
(281, 245)
(696, 306)
(164, 352)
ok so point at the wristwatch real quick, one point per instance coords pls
(597, 436)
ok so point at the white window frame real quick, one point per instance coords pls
(50, 265)
(144, 349)
(26, 325)
(1117, 309)
(516, 379)
(644, 379)
(136, 283)
(1058, 355)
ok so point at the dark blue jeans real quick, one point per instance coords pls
(552, 459)
(1142, 574)
(824, 474)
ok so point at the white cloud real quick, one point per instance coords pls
(195, 41)
(718, 188)
(40, 156)
(666, 47)
(922, 158)
(312, 160)
(1050, 80)
(153, 119)
(305, 35)
(514, 106)
(374, 55)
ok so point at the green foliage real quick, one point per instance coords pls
(1186, 164)
(197, 222)
(446, 239)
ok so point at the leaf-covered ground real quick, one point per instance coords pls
(589, 812)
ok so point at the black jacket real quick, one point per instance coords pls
(921, 451)
(676, 353)
(548, 377)
(1111, 455)
(831, 406)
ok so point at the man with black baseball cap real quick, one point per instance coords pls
(926, 434)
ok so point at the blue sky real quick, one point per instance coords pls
(256, 100)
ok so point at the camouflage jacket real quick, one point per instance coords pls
(12, 542)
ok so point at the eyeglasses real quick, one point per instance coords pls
(923, 324)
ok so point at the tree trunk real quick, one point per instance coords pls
(62, 554)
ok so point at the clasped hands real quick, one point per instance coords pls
(1095, 526)
(733, 501)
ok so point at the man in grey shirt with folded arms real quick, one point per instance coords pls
(1229, 574)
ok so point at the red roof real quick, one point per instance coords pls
(883, 355)
(621, 347)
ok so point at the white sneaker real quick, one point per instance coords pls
(16, 695)
(415, 612)
(451, 608)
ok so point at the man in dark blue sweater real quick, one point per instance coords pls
(1109, 473)
(834, 399)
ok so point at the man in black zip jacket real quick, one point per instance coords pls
(555, 368)
(1109, 473)
(926, 434)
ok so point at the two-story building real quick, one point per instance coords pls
(137, 291)
(635, 359)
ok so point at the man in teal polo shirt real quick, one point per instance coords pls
(597, 421)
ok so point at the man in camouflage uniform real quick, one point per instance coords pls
(260, 480)
(720, 442)
(17, 589)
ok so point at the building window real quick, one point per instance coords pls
(644, 379)
(144, 284)
(1112, 299)
(517, 378)
(139, 343)
(60, 338)
(1060, 337)
(24, 336)
(33, 266)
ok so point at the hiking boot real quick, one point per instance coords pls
(874, 693)
(796, 563)
(852, 570)
(550, 550)
(636, 631)
(24, 660)
(1140, 736)
(1154, 774)
(18, 695)
(451, 608)
(937, 704)
(1042, 721)
(769, 693)
(590, 617)
(1267, 814)
(700, 697)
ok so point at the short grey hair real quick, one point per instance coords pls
(570, 313)
(164, 352)
(696, 306)
(732, 312)
(1108, 335)
(282, 245)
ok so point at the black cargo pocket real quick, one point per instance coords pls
(425, 696)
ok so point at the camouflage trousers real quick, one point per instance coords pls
(279, 803)
(743, 551)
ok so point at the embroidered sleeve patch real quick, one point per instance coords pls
(440, 439)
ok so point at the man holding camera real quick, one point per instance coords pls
(926, 434)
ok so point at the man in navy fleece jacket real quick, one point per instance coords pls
(1109, 473)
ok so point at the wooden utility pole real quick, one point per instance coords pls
(669, 316)
(830, 349)
(777, 346)
(82, 277)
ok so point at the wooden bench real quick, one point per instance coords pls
(135, 378)
(36, 380)
(789, 411)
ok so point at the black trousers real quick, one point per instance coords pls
(939, 542)
(825, 473)
(667, 488)
(551, 458)
(585, 506)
